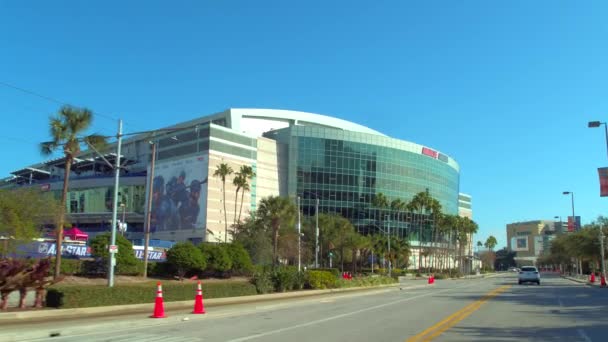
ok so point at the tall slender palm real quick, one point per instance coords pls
(239, 181)
(65, 130)
(277, 212)
(247, 174)
(222, 171)
(420, 202)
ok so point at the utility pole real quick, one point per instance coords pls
(317, 234)
(149, 210)
(602, 252)
(115, 208)
(299, 236)
(389, 246)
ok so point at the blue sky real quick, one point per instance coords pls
(505, 88)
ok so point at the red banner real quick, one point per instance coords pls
(603, 173)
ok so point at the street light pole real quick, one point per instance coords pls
(592, 124)
(602, 252)
(299, 236)
(149, 210)
(317, 234)
(112, 258)
(388, 221)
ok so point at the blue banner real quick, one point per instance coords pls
(76, 251)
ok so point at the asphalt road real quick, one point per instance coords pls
(491, 309)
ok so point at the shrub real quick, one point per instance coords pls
(68, 266)
(262, 280)
(335, 271)
(185, 257)
(285, 278)
(320, 280)
(365, 281)
(160, 269)
(441, 276)
(125, 258)
(241, 262)
(70, 296)
(218, 259)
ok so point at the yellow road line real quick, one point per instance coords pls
(438, 328)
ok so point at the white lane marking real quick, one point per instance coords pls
(584, 336)
(327, 319)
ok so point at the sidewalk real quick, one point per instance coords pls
(583, 280)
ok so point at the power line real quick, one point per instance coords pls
(54, 100)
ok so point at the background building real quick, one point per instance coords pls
(343, 164)
(529, 239)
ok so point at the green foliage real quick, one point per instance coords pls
(185, 257)
(320, 280)
(276, 214)
(218, 259)
(241, 262)
(334, 271)
(287, 278)
(70, 296)
(126, 262)
(262, 280)
(69, 266)
(365, 282)
(160, 269)
(22, 212)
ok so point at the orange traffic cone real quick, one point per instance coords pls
(603, 281)
(199, 308)
(159, 308)
(592, 277)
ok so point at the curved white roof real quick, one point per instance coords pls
(255, 121)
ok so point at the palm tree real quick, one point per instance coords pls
(66, 128)
(421, 202)
(222, 171)
(491, 243)
(277, 212)
(479, 245)
(239, 181)
(245, 174)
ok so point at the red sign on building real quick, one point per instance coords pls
(428, 152)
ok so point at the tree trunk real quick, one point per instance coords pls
(241, 208)
(236, 201)
(225, 213)
(59, 228)
(275, 237)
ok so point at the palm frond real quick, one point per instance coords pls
(96, 140)
(47, 148)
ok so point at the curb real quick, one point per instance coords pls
(580, 281)
(51, 314)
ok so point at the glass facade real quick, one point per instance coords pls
(345, 170)
(99, 199)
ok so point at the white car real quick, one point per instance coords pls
(529, 274)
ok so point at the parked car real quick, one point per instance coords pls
(529, 274)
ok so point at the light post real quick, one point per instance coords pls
(560, 223)
(594, 124)
(573, 216)
(112, 259)
(299, 236)
(317, 234)
(602, 252)
(388, 227)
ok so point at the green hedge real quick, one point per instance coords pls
(71, 296)
(365, 281)
(320, 280)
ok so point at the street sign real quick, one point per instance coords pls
(113, 248)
